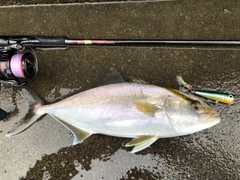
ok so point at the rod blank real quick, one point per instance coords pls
(150, 42)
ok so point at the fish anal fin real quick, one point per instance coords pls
(141, 142)
(146, 107)
(79, 134)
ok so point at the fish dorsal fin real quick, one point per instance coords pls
(79, 134)
(139, 81)
(141, 142)
(112, 77)
(146, 107)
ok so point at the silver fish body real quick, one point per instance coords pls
(140, 111)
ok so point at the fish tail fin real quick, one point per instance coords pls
(33, 115)
(29, 119)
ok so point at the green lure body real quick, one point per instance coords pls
(220, 97)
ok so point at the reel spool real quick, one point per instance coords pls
(18, 67)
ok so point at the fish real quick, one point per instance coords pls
(143, 112)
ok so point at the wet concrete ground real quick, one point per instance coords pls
(44, 151)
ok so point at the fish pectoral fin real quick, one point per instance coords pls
(79, 134)
(141, 142)
(146, 107)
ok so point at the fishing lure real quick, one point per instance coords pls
(217, 96)
(213, 95)
(181, 82)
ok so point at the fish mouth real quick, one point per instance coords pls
(213, 119)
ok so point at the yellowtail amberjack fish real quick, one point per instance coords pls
(213, 95)
(143, 112)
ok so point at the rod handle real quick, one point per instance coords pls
(51, 41)
(34, 41)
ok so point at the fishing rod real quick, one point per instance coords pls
(18, 62)
(150, 42)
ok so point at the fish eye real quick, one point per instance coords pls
(196, 105)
